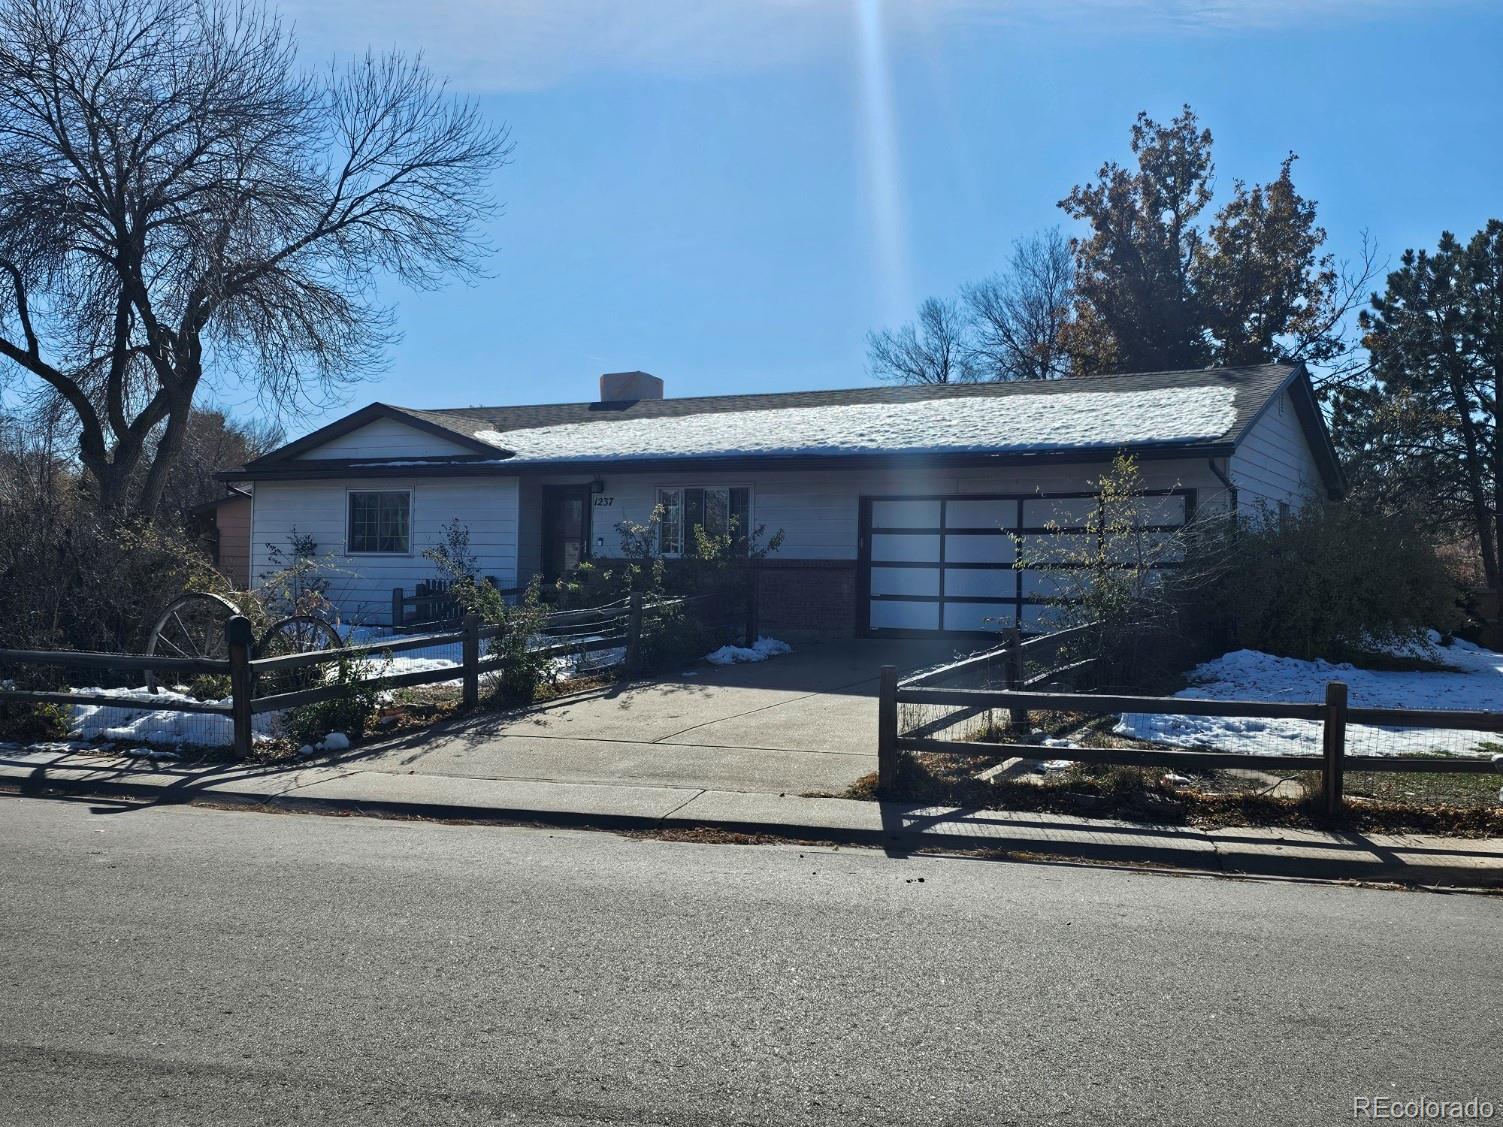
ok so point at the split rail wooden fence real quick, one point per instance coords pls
(1019, 696)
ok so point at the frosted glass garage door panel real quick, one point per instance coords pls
(979, 616)
(981, 514)
(905, 547)
(1047, 584)
(989, 583)
(905, 514)
(1161, 510)
(889, 614)
(905, 581)
(1056, 547)
(1146, 548)
(1060, 512)
(963, 547)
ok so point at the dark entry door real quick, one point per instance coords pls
(566, 528)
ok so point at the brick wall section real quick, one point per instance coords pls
(807, 598)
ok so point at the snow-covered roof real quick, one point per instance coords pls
(1202, 411)
(957, 424)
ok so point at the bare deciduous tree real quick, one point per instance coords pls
(933, 351)
(1019, 316)
(180, 202)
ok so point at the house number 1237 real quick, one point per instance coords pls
(604, 502)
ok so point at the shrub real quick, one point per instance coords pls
(209, 686)
(1112, 573)
(28, 721)
(671, 638)
(523, 668)
(298, 579)
(349, 712)
(1329, 581)
(70, 578)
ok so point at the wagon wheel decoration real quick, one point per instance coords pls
(296, 634)
(191, 626)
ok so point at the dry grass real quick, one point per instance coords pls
(706, 835)
(1211, 800)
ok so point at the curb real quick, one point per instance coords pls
(1199, 861)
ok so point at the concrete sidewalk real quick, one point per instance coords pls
(1408, 859)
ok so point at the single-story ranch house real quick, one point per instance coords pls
(903, 508)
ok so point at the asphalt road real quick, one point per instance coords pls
(185, 966)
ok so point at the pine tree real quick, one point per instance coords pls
(1428, 429)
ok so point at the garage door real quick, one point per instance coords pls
(940, 565)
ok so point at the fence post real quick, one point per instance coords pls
(887, 728)
(237, 638)
(1012, 676)
(471, 660)
(398, 618)
(633, 631)
(1334, 746)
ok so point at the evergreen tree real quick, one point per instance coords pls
(1426, 430)
(1158, 289)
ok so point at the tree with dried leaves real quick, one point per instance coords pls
(1159, 288)
(181, 204)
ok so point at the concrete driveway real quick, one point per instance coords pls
(801, 723)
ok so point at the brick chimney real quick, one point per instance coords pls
(617, 387)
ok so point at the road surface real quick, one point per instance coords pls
(188, 966)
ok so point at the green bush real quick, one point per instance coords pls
(1330, 580)
(350, 712)
(523, 668)
(27, 721)
(671, 638)
(209, 686)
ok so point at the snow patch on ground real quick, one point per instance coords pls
(139, 718)
(565, 666)
(1476, 685)
(982, 422)
(760, 650)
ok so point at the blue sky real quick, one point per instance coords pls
(730, 193)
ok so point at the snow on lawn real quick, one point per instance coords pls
(981, 421)
(144, 721)
(760, 650)
(1476, 684)
(451, 656)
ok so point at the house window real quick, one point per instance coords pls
(380, 522)
(720, 510)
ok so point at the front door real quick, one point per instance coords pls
(566, 528)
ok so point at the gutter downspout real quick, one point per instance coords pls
(1226, 481)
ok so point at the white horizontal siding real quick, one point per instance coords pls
(819, 511)
(1274, 463)
(387, 438)
(360, 585)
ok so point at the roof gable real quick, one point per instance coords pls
(338, 439)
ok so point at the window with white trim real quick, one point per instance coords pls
(380, 522)
(719, 509)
